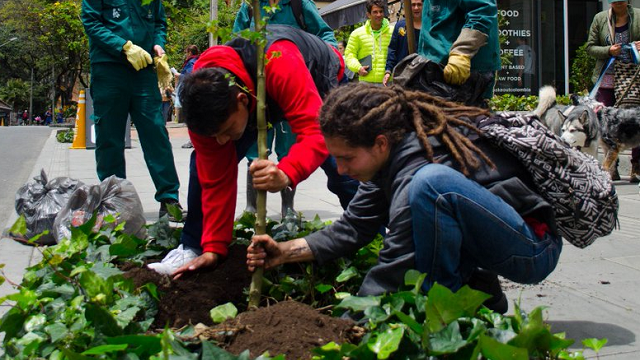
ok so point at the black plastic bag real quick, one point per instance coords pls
(418, 73)
(113, 196)
(40, 201)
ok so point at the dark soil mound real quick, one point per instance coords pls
(288, 327)
(189, 299)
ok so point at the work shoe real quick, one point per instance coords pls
(615, 175)
(287, 195)
(488, 282)
(634, 177)
(175, 259)
(164, 211)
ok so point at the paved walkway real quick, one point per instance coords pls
(594, 292)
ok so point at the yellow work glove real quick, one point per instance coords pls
(165, 77)
(136, 55)
(458, 69)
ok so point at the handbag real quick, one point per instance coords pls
(626, 84)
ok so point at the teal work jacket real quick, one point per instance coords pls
(110, 23)
(284, 16)
(442, 22)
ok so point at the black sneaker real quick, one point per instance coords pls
(488, 282)
(164, 211)
(188, 145)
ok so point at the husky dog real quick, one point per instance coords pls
(620, 130)
(576, 124)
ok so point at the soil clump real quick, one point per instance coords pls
(288, 327)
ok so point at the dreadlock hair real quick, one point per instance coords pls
(208, 97)
(358, 112)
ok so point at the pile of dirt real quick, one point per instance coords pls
(288, 327)
(189, 299)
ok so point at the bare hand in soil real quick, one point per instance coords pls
(267, 176)
(207, 259)
(263, 251)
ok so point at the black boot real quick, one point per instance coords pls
(287, 201)
(164, 211)
(488, 282)
(251, 193)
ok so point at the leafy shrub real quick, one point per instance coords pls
(76, 304)
(582, 70)
(65, 136)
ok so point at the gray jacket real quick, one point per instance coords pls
(385, 201)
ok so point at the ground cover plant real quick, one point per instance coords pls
(89, 299)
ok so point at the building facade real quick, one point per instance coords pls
(542, 37)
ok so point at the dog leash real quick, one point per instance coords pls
(636, 57)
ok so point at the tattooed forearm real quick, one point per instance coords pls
(299, 251)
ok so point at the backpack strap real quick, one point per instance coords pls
(296, 7)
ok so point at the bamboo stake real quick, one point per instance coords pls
(255, 290)
(408, 15)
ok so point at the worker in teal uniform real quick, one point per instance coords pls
(122, 36)
(301, 14)
(463, 35)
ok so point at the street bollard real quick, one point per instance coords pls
(79, 141)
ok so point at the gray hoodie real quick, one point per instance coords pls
(385, 201)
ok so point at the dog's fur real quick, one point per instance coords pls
(620, 129)
(576, 124)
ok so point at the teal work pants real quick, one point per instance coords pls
(284, 138)
(117, 91)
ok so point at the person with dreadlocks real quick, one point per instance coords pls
(455, 208)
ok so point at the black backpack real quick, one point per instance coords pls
(579, 189)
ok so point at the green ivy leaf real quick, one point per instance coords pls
(56, 331)
(386, 343)
(447, 341)
(223, 312)
(347, 274)
(491, 349)
(141, 345)
(102, 320)
(359, 303)
(594, 344)
(104, 349)
(323, 288)
(20, 226)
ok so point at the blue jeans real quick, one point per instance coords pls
(459, 225)
(343, 186)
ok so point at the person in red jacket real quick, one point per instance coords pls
(218, 106)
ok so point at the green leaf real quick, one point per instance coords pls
(223, 312)
(443, 306)
(347, 274)
(104, 349)
(102, 320)
(594, 344)
(20, 226)
(359, 303)
(491, 349)
(323, 288)
(447, 341)
(56, 331)
(386, 343)
(141, 345)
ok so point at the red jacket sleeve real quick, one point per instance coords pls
(218, 174)
(291, 86)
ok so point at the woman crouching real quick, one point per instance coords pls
(455, 207)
